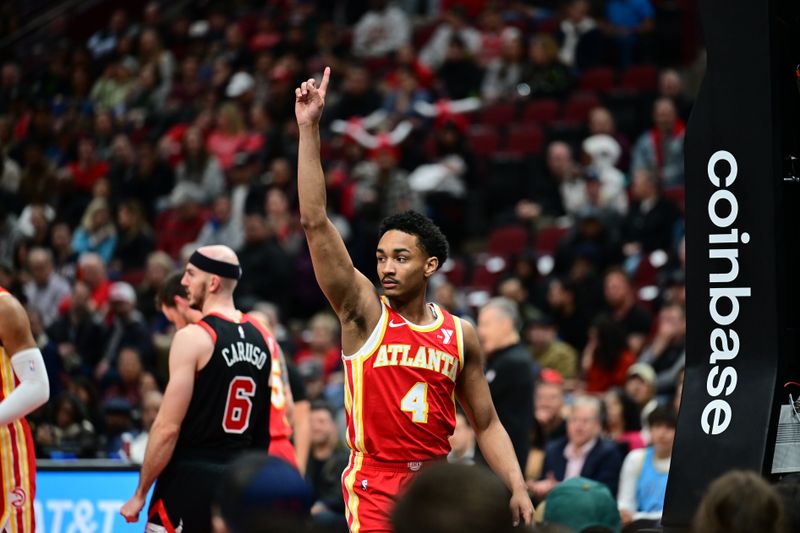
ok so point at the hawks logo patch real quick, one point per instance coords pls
(18, 497)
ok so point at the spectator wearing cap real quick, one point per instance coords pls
(383, 29)
(127, 329)
(583, 505)
(640, 386)
(510, 371)
(118, 416)
(546, 348)
(583, 452)
(604, 152)
(96, 232)
(643, 479)
(241, 88)
(328, 457)
(46, 290)
(667, 352)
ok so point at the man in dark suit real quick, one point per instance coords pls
(583, 452)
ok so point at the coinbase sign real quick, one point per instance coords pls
(81, 501)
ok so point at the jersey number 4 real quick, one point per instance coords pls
(416, 402)
(239, 405)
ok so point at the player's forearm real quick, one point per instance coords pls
(160, 447)
(302, 434)
(310, 178)
(496, 448)
(33, 389)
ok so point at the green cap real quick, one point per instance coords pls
(579, 503)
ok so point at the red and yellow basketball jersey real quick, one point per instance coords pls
(279, 426)
(400, 387)
(17, 459)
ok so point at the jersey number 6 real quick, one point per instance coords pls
(239, 405)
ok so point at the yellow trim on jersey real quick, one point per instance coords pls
(348, 404)
(374, 340)
(7, 472)
(459, 340)
(24, 472)
(437, 323)
(358, 405)
(352, 496)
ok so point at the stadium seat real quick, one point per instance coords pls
(499, 115)
(547, 239)
(482, 140)
(578, 106)
(678, 195)
(643, 78)
(525, 140)
(454, 270)
(600, 79)
(507, 241)
(541, 112)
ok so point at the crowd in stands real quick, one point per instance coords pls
(544, 137)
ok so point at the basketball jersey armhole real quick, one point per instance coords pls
(374, 337)
(459, 339)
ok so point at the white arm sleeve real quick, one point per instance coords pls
(33, 389)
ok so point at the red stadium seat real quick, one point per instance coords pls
(578, 106)
(482, 140)
(499, 115)
(525, 140)
(453, 269)
(547, 239)
(678, 195)
(541, 112)
(507, 241)
(643, 78)
(599, 79)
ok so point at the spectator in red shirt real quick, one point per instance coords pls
(606, 357)
(231, 136)
(181, 224)
(87, 169)
(322, 333)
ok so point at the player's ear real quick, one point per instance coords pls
(214, 283)
(431, 265)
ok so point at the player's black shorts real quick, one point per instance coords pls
(183, 497)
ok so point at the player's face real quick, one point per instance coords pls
(194, 281)
(403, 267)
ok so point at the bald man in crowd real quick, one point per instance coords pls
(217, 402)
(510, 372)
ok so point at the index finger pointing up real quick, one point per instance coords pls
(323, 85)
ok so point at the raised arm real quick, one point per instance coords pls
(188, 346)
(349, 292)
(33, 389)
(473, 394)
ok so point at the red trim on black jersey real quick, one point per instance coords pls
(203, 324)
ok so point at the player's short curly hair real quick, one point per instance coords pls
(430, 237)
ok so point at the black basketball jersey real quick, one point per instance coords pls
(230, 405)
